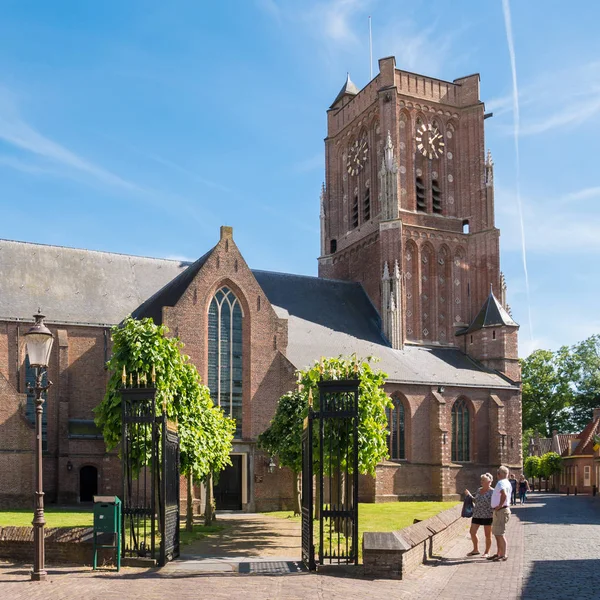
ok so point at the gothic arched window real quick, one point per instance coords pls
(460, 431)
(397, 430)
(225, 354)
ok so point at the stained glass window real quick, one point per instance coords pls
(397, 430)
(225, 354)
(460, 431)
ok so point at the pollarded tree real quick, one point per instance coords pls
(531, 467)
(205, 433)
(550, 465)
(283, 438)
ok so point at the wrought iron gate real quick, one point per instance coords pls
(150, 495)
(337, 475)
(338, 472)
(308, 544)
(169, 548)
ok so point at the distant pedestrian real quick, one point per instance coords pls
(523, 489)
(501, 506)
(482, 515)
(513, 493)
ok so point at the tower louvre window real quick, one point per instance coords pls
(355, 212)
(367, 206)
(436, 196)
(421, 204)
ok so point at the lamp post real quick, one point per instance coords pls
(39, 341)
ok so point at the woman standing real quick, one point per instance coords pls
(523, 489)
(482, 515)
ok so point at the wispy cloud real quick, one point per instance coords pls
(553, 101)
(19, 134)
(551, 227)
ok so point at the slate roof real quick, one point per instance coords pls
(492, 314)
(325, 317)
(348, 89)
(77, 286)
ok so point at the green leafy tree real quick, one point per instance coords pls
(583, 370)
(550, 465)
(546, 391)
(531, 467)
(205, 433)
(283, 438)
(372, 405)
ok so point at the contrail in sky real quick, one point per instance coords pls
(513, 66)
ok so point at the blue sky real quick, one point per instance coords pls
(141, 126)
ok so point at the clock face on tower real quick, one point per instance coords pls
(357, 156)
(430, 142)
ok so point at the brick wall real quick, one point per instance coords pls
(396, 554)
(73, 545)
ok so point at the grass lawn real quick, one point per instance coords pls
(55, 517)
(388, 516)
(84, 517)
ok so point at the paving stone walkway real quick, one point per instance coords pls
(554, 548)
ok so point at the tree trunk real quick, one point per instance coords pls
(297, 492)
(189, 517)
(209, 509)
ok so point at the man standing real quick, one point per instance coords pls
(513, 494)
(500, 504)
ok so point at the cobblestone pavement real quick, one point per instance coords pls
(553, 553)
(562, 547)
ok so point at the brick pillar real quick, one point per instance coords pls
(440, 442)
(65, 479)
(498, 450)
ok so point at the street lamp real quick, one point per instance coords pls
(39, 341)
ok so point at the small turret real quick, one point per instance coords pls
(348, 91)
(492, 339)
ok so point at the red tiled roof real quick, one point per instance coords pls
(564, 442)
(586, 444)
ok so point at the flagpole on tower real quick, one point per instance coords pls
(370, 51)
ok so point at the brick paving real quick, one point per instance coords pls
(554, 547)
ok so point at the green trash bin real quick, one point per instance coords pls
(107, 525)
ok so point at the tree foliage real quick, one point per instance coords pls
(283, 438)
(583, 368)
(205, 433)
(372, 404)
(561, 389)
(546, 392)
(550, 464)
(531, 467)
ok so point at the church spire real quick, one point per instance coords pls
(348, 89)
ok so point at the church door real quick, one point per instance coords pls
(228, 492)
(88, 484)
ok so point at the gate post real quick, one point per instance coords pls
(308, 546)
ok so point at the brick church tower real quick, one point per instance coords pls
(407, 207)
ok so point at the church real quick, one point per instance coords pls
(409, 273)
